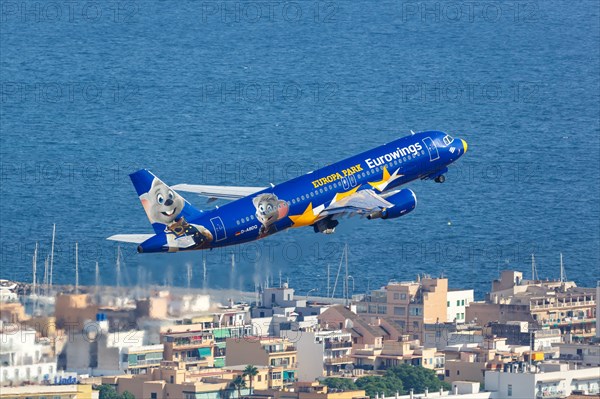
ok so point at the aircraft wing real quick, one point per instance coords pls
(218, 192)
(131, 238)
(361, 202)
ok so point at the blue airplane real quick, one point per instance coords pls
(365, 184)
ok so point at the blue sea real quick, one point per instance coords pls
(257, 92)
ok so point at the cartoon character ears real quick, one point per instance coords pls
(282, 209)
(147, 206)
(263, 197)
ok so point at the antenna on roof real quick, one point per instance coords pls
(412, 132)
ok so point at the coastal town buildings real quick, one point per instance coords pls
(543, 304)
(166, 346)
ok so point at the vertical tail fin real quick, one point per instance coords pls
(162, 204)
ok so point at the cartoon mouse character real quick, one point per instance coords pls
(269, 209)
(164, 206)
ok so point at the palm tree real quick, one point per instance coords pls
(250, 371)
(239, 383)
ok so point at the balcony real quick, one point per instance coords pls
(550, 394)
(285, 365)
(338, 360)
(571, 357)
(277, 350)
(562, 305)
(145, 362)
(338, 345)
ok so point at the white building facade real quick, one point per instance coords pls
(24, 359)
(554, 380)
(322, 353)
(457, 302)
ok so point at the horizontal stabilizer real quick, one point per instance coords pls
(220, 192)
(131, 238)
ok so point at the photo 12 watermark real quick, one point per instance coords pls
(28, 11)
(253, 12)
(496, 11)
(471, 92)
(257, 92)
(54, 92)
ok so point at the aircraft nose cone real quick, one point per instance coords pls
(465, 145)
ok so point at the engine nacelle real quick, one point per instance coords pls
(404, 202)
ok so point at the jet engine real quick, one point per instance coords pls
(404, 202)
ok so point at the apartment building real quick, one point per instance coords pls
(544, 304)
(140, 359)
(408, 304)
(547, 380)
(71, 391)
(172, 380)
(457, 301)
(95, 351)
(309, 390)
(322, 353)
(468, 362)
(442, 335)
(194, 349)
(587, 355)
(519, 333)
(397, 352)
(24, 359)
(363, 333)
(265, 351)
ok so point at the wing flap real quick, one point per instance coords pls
(361, 202)
(218, 192)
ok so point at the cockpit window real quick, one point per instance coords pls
(447, 139)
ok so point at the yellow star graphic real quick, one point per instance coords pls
(340, 196)
(382, 182)
(307, 218)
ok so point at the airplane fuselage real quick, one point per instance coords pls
(304, 200)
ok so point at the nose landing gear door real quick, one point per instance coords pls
(433, 151)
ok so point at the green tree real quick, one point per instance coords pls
(239, 383)
(344, 384)
(416, 378)
(127, 395)
(250, 371)
(380, 385)
(107, 392)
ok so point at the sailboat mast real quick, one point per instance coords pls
(52, 254)
(97, 279)
(118, 268)
(76, 268)
(563, 276)
(346, 278)
(46, 275)
(34, 266)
